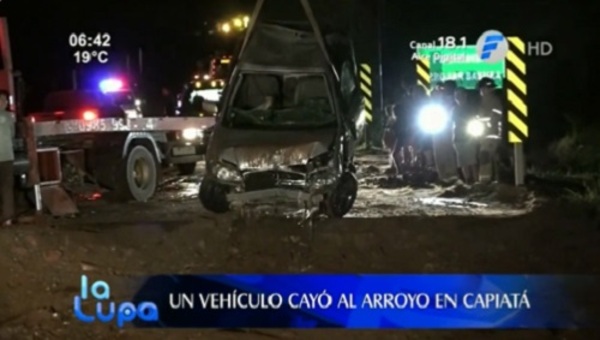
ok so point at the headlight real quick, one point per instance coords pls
(325, 160)
(322, 171)
(433, 119)
(476, 128)
(192, 134)
(227, 173)
(362, 119)
(322, 178)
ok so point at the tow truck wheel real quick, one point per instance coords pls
(213, 197)
(341, 200)
(139, 174)
(186, 169)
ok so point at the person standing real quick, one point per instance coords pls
(418, 150)
(403, 152)
(464, 145)
(389, 136)
(7, 158)
(444, 155)
(169, 103)
(490, 107)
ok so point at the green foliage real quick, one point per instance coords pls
(577, 156)
(590, 196)
(579, 150)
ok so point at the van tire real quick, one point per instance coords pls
(340, 200)
(213, 197)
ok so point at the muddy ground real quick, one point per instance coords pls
(393, 229)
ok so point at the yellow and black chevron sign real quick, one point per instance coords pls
(424, 73)
(516, 91)
(366, 87)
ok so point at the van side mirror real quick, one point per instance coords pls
(210, 108)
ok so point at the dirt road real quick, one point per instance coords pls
(390, 231)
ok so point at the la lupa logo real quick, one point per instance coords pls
(125, 312)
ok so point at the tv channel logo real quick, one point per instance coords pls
(126, 311)
(492, 46)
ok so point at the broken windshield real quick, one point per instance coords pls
(275, 101)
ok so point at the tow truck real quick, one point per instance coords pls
(121, 153)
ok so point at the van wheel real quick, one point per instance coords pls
(213, 196)
(186, 169)
(138, 178)
(341, 199)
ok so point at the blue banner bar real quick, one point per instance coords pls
(351, 301)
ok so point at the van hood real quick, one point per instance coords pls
(260, 149)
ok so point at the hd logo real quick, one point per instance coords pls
(492, 46)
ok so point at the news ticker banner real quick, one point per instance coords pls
(346, 301)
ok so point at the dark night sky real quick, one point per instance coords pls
(166, 32)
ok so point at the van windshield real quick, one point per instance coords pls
(274, 101)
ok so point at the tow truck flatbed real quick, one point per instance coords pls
(159, 124)
(125, 155)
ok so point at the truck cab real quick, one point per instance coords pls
(7, 83)
(199, 91)
(205, 88)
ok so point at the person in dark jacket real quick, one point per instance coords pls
(464, 145)
(490, 106)
(418, 147)
(169, 103)
(405, 148)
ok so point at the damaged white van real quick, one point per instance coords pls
(286, 128)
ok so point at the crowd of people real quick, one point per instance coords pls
(410, 148)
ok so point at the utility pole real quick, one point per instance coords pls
(374, 129)
(128, 64)
(140, 61)
(74, 79)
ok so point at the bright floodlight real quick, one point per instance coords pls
(475, 128)
(111, 85)
(433, 119)
(226, 28)
(191, 134)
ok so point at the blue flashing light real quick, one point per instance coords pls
(111, 85)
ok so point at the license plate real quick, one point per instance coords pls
(184, 150)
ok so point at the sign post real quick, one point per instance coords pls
(366, 88)
(519, 155)
(516, 111)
